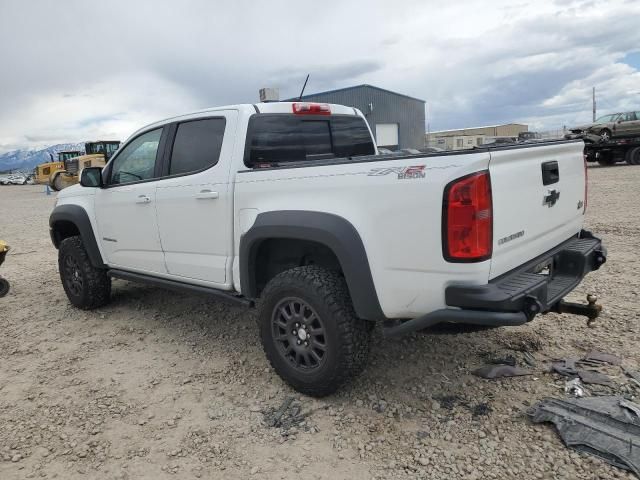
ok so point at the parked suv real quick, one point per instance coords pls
(288, 207)
(612, 125)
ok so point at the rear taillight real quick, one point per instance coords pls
(467, 216)
(311, 109)
(586, 186)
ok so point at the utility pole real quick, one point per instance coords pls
(593, 95)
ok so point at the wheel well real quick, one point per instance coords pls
(276, 255)
(63, 229)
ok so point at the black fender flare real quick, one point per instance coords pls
(334, 232)
(77, 216)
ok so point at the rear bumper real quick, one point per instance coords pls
(516, 297)
(524, 287)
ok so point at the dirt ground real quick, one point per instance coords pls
(163, 385)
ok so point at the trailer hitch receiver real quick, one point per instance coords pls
(591, 310)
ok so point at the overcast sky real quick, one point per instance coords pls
(75, 70)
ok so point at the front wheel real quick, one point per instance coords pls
(86, 286)
(310, 332)
(57, 183)
(605, 135)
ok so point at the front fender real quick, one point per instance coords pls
(60, 222)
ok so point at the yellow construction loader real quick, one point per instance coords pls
(97, 154)
(43, 172)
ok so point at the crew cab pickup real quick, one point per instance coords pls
(289, 207)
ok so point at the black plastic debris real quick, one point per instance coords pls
(529, 359)
(607, 427)
(633, 375)
(288, 415)
(601, 357)
(565, 366)
(499, 371)
(595, 378)
(508, 360)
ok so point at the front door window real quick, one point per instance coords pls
(136, 162)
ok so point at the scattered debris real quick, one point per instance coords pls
(590, 377)
(498, 371)
(481, 410)
(598, 425)
(574, 387)
(601, 357)
(529, 359)
(565, 366)
(633, 375)
(508, 360)
(288, 415)
(634, 407)
(448, 402)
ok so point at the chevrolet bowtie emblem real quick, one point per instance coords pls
(551, 198)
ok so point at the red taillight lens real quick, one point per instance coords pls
(311, 109)
(467, 216)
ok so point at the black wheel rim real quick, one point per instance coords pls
(73, 276)
(299, 334)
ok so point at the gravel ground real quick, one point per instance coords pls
(164, 385)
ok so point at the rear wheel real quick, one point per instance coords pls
(310, 332)
(633, 156)
(86, 286)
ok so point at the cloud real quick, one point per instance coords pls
(104, 69)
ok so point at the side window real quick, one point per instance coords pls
(137, 160)
(197, 145)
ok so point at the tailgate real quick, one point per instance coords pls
(538, 193)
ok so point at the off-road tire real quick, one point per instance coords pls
(95, 289)
(4, 287)
(57, 184)
(633, 156)
(347, 337)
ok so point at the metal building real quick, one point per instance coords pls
(396, 120)
(464, 138)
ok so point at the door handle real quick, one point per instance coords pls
(207, 194)
(143, 199)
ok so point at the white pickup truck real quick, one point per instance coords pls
(289, 207)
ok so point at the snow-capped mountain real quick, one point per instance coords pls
(26, 159)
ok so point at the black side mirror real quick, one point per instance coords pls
(91, 177)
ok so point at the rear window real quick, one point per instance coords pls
(281, 138)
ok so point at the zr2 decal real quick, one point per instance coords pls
(404, 173)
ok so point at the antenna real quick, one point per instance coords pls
(303, 87)
(593, 97)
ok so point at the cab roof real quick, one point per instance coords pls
(263, 107)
